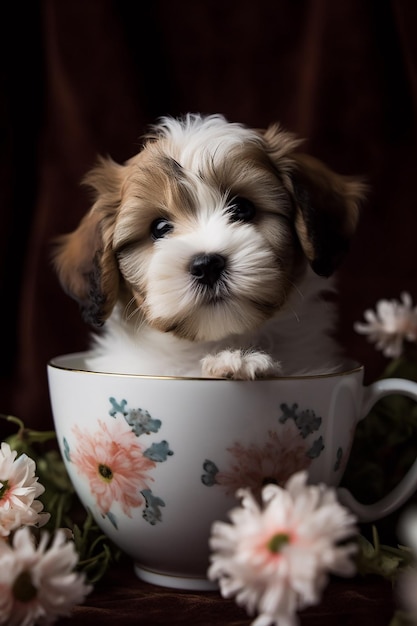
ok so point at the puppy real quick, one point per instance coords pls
(208, 253)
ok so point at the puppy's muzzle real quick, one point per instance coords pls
(207, 269)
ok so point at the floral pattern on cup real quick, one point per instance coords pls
(117, 464)
(339, 459)
(286, 450)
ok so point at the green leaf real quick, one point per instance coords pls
(400, 618)
(96, 552)
(383, 560)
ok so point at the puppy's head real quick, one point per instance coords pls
(207, 229)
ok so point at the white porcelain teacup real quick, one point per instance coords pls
(157, 460)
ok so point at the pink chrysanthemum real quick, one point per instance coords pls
(19, 488)
(275, 559)
(38, 584)
(112, 459)
(275, 461)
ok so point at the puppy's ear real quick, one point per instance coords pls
(84, 259)
(326, 204)
(327, 211)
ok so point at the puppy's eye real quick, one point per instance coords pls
(242, 210)
(161, 227)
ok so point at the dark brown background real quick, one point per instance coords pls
(82, 77)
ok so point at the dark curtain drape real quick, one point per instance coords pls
(82, 77)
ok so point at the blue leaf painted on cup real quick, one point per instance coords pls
(152, 513)
(339, 457)
(210, 471)
(316, 449)
(141, 422)
(67, 450)
(158, 452)
(306, 420)
(112, 518)
(117, 407)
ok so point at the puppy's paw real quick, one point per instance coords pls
(239, 365)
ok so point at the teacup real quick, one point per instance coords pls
(157, 459)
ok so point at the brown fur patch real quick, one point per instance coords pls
(303, 211)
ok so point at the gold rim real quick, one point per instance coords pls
(54, 364)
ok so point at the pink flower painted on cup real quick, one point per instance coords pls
(275, 461)
(112, 459)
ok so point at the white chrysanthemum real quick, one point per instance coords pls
(38, 583)
(407, 582)
(18, 489)
(391, 324)
(275, 558)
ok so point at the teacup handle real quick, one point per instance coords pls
(408, 484)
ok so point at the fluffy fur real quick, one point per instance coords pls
(207, 254)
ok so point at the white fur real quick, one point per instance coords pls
(296, 341)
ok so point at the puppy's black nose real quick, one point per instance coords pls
(207, 268)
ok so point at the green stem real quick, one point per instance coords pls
(375, 537)
(59, 511)
(96, 542)
(15, 420)
(40, 437)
